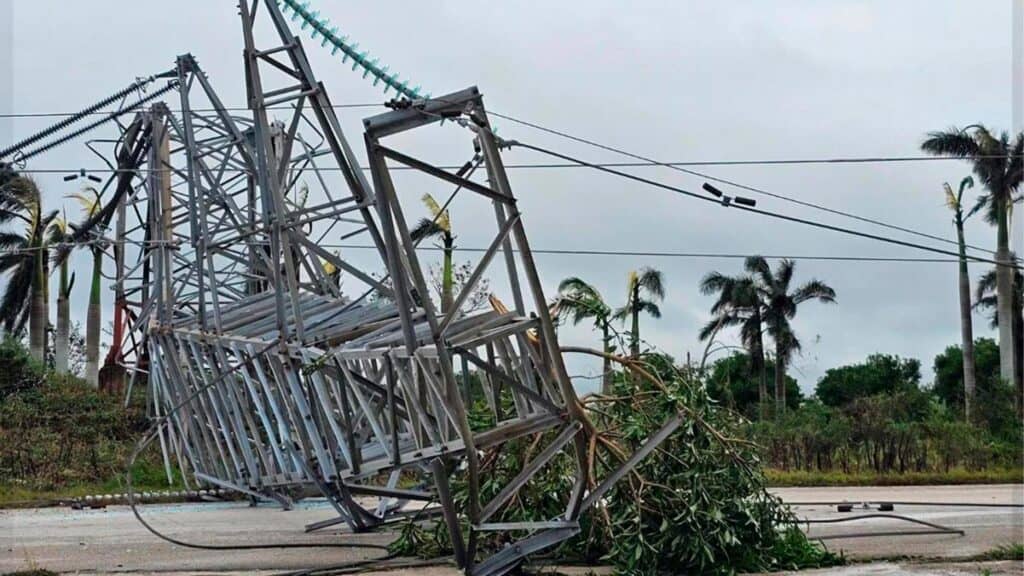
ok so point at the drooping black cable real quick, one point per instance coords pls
(154, 430)
(678, 167)
(754, 210)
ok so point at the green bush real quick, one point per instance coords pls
(699, 504)
(56, 431)
(19, 371)
(63, 432)
(732, 382)
(878, 374)
(894, 433)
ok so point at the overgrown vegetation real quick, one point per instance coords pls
(699, 504)
(1004, 552)
(874, 420)
(59, 436)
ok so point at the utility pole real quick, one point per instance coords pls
(1017, 123)
(1017, 104)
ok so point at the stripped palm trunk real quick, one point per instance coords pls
(606, 369)
(966, 326)
(45, 257)
(634, 333)
(92, 323)
(60, 345)
(37, 313)
(757, 358)
(780, 377)
(1004, 302)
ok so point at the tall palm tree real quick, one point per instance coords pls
(578, 301)
(986, 298)
(781, 303)
(24, 260)
(644, 289)
(999, 164)
(955, 203)
(59, 234)
(89, 198)
(739, 304)
(439, 225)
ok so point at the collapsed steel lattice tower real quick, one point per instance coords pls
(272, 380)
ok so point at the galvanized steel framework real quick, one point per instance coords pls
(230, 298)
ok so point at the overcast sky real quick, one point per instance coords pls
(678, 81)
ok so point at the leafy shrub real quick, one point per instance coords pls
(733, 383)
(902, 432)
(879, 374)
(19, 371)
(63, 432)
(699, 504)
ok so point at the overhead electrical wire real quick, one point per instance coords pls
(638, 164)
(178, 110)
(663, 254)
(138, 85)
(566, 165)
(754, 210)
(679, 166)
(644, 162)
(727, 182)
(595, 252)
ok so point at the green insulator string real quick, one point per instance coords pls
(329, 35)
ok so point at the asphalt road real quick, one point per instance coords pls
(111, 540)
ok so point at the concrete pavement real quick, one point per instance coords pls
(984, 527)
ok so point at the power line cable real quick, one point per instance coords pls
(177, 110)
(154, 431)
(578, 252)
(138, 85)
(727, 182)
(561, 165)
(641, 164)
(754, 210)
(679, 167)
(663, 254)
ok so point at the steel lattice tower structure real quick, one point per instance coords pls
(273, 382)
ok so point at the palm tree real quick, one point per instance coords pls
(24, 259)
(58, 234)
(986, 298)
(578, 301)
(439, 225)
(644, 290)
(739, 304)
(999, 163)
(781, 305)
(89, 198)
(955, 203)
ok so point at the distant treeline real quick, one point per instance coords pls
(875, 416)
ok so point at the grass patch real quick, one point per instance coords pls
(1004, 552)
(784, 478)
(31, 573)
(146, 476)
